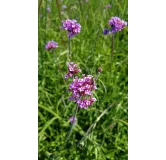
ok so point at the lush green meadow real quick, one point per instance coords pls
(108, 138)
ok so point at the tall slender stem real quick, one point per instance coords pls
(40, 2)
(94, 123)
(80, 6)
(72, 125)
(97, 76)
(112, 51)
(69, 54)
(45, 34)
(57, 3)
(112, 46)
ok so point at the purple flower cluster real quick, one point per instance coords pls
(51, 45)
(73, 69)
(72, 120)
(81, 89)
(117, 24)
(72, 27)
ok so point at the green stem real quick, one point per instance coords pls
(72, 126)
(94, 123)
(112, 54)
(58, 6)
(112, 47)
(69, 54)
(80, 6)
(39, 6)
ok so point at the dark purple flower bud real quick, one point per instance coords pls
(100, 69)
(73, 120)
(106, 31)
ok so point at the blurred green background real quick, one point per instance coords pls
(108, 140)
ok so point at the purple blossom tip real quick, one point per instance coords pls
(66, 76)
(73, 120)
(73, 69)
(117, 24)
(51, 45)
(72, 27)
(106, 31)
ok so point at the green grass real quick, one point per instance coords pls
(90, 49)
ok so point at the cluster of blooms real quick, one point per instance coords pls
(81, 89)
(73, 69)
(116, 25)
(51, 45)
(73, 120)
(72, 27)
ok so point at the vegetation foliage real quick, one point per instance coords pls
(90, 49)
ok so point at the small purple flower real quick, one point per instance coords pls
(66, 76)
(48, 9)
(106, 31)
(51, 45)
(108, 6)
(72, 27)
(64, 6)
(117, 24)
(73, 120)
(73, 69)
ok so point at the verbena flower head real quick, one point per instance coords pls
(81, 89)
(117, 24)
(73, 120)
(73, 69)
(51, 45)
(72, 27)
